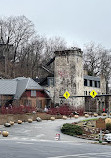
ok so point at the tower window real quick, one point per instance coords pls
(90, 83)
(95, 83)
(98, 84)
(85, 82)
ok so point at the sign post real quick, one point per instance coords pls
(100, 136)
(100, 123)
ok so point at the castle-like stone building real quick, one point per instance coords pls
(69, 75)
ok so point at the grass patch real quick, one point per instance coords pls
(93, 119)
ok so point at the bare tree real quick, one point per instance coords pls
(50, 46)
(30, 57)
(16, 31)
(97, 59)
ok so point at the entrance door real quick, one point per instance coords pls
(39, 104)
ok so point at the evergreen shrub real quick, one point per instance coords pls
(71, 129)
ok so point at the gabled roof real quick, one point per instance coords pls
(25, 84)
(17, 86)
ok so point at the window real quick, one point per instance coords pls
(98, 84)
(85, 82)
(25, 102)
(90, 83)
(50, 82)
(84, 92)
(95, 83)
(33, 93)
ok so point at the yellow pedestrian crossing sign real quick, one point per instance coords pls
(66, 95)
(93, 93)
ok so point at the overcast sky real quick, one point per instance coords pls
(78, 21)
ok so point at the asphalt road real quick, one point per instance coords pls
(37, 140)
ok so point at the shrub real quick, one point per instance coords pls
(66, 110)
(17, 110)
(108, 126)
(71, 129)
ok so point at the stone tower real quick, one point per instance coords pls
(69, 76)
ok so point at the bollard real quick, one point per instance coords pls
(57, 136)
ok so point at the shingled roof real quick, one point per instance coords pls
(17, 86)
(7, 87)
(25, 84)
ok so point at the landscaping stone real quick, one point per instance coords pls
(7, 124)
(52, 118)
(38, 119)
(86, 115)
(64, 117)
(95, 115)
(76, 116)
(107, 132)
(5, 134)
(104, 114)
(85, 123)
(34, 112)
(19, 121)
(11, 122)
(30, 120)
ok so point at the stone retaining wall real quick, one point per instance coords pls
(25, 117)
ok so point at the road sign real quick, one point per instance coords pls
(93, 94)
(66, 95)
(100, 123)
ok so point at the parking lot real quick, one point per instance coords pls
(37, 140)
